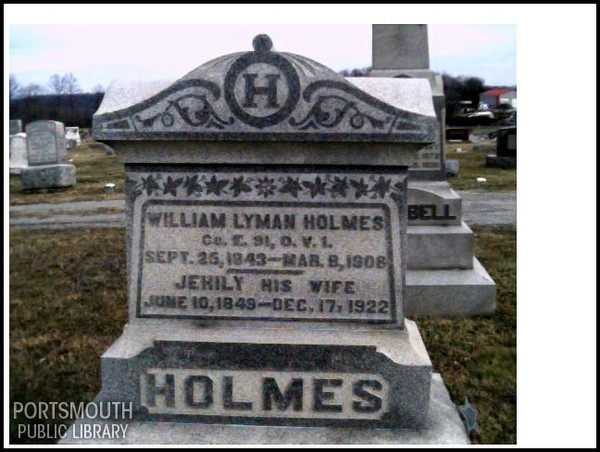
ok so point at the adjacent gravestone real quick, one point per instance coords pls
(388, 55)
(443, 277)
(402, 51)
(452, 167)
(18, 153)
(506, 149)
(16, 126)
(72, 137)
(507, 142)
(266, 225)
(46, 156)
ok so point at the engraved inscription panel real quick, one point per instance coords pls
(42, 147)
(330, 253)
(429, 157)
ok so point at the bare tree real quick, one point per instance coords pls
(15, 87)
(98, 89)
(56, 84)
(67, 84)
(70, 84)
(33, 89)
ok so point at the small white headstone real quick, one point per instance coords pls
(72, 137)
(18, 152)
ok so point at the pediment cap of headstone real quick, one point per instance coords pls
(266, 95)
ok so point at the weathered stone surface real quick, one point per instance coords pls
(48, 176)
(433, 203)
(401, 51)
(450, 293)
(392, 365)
(18, 153)
(46, 143)
(288, 244)
(294, 99)
(16, 126)
(400, 46)
(443, 426)
(440, 247)
(266, 244)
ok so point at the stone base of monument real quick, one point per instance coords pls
(443, 277)
(496, 161)
(450, 293)
(230, 385)
(440, 247)
(335, 375)
(442, 426)
(48, 176)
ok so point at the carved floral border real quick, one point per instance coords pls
(267, 187)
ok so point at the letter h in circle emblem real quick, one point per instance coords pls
(251, 90)
(262, 87)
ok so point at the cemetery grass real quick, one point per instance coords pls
(93, 168)
(477, 356)
(472, 165)
(68, 305)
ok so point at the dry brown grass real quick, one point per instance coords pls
(472, 166)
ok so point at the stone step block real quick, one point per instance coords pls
(450, 293)
(440, 247)
(48, 176)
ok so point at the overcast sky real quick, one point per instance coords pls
(97, 54)
(100, 43)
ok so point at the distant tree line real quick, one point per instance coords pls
(364, 72)
(73, 110)
(462, 88)
(62, 100)
(456, 89)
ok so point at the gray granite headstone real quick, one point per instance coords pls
(400, 46)
(46, 143)
(266, 243)
(443, 276)
(402, 51)
(506, 149)
(18, 153)
(47, 155)
(507, 142)
(16, 126)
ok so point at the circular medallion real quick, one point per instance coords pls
(261, 88)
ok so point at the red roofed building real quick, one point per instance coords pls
(497, 96)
